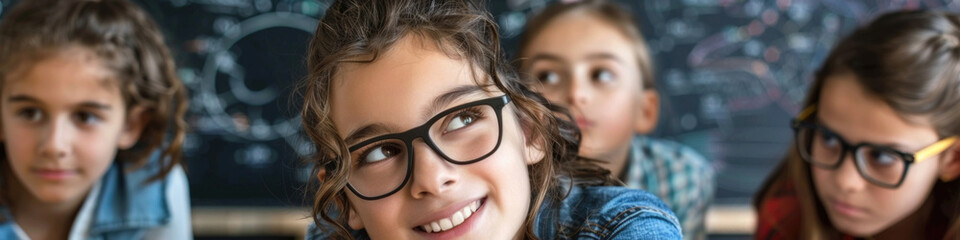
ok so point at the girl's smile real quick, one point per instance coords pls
(462, 219)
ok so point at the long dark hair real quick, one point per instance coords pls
(359, 30)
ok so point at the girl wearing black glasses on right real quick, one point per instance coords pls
(875, 153)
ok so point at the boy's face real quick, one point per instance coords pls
(63, 119)
(585, 64)
(854, 205)
(401, 90)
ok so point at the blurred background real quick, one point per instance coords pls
(731, 74)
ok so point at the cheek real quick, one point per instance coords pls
(509, 196)
(613, 115)
(614, 109)
(823, 182)
(555, 95)
(95, 150)
(23, 152)
(505, 174)
(380, 218)
(821, 177)
(912, 193)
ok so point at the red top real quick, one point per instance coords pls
(780, 217)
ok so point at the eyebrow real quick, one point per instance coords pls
(444, 99)
(545, 57)
(592, 56)
(604, 56)
(86, 104)
(22, 98)
(892, 145)
(365, 132)
(448, 97)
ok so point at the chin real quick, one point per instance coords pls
(856, 229)
(55, 195)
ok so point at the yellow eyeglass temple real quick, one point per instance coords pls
(933, 149)
(920, 156)
(806, 113)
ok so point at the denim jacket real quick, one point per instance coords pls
(607, 213)
(592, 212)
(125, 208)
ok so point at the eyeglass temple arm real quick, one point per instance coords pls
(934, 149)
(806, 113)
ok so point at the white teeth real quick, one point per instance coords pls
(457, 218)
(454, 220)
(445, 224)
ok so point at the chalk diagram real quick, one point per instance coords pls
(241, 60)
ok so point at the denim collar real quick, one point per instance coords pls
(128, 201)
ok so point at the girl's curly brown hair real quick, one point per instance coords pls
(358, 30)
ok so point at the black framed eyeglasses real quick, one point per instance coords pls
(878, 164)
(461, 135)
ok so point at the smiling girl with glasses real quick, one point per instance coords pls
(423, 131)
(875, 153)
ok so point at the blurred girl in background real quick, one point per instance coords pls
(90, 124)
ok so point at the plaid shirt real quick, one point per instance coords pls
(677, 174)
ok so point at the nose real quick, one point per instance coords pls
(55, 143)
(432, 175)
(578, 94)
(847, 177)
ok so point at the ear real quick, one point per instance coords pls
(950, 164)
(648, 113)
(137, 119)
(534, 149)
(534, 153)
(322, 173)
(353, 220)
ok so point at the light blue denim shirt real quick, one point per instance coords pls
(592, 212)
(125, 207)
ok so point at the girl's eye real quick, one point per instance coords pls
(882, 157)
(87, 118)
(830, 141)
(602, 75)
(30, 114)
(461, 120)
(548, 77)
(380, 153)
